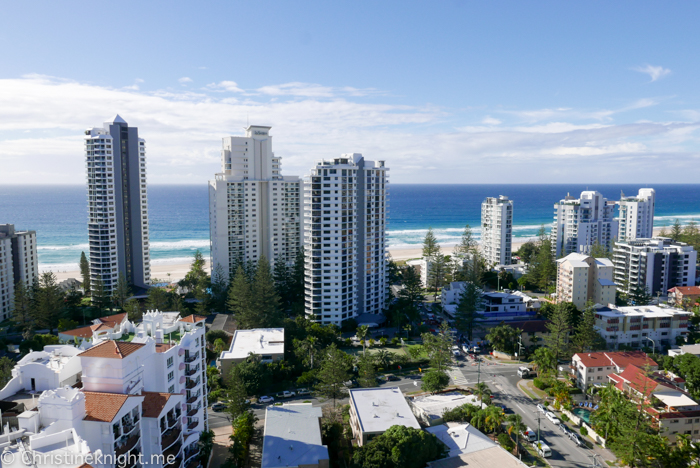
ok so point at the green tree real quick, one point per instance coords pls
(399, 447)
(366, 372)
(240, 300)
(23, 311)
(85, 272)
(558, 329)
(99, 296)
(515, 426)
(237, 395)
(362, 333)
(133, 310)
(254, 375)
(334, 372)
(527, 252)
(494, 418)
(439, 349)
(543, 267)
(437, 272)
(468, 309)
(482, 391)
(546, 361)
(49, 301)
(431, 248)
(196, 280)
(599, 250)
(640, 295)
(586, 337)
(265, 301)
(307, 349)
(468, 243)
(206, 445)
(67, 324)
(503, 337)
(676, 230)
(121, 292)
(6, 366)
(463, 413)
(158, 299)
(219, 288)
(219, 346)
(382, 359)
(434, 381)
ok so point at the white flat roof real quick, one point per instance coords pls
(461, 438)
(675, 398)
(292, 436)
(257, 341)
(378, 409)
(643, 311)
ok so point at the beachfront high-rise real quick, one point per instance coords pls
(636, 215)
(497, 230)
(579, 223)
(345, 208)
(117, 205)
(253, 209)
(18, 262)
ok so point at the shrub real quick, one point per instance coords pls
(395, 341)
(564, 417)
(506, 442)
(348, 342)
(584, 431)
(382, 341)
(371, 342)
(539, 383)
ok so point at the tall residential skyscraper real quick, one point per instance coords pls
(636, 215)
(18, 262)
(497, 230)
(580, 223)
(253, 209)
(345, 207)
(117, 205)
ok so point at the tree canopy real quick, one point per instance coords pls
(399, 447)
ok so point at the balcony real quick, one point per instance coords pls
(173, 451)
(126, 445)
(170, 437)
(192, 425)
(189, 357)
(192, 383)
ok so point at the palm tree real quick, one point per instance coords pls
(482, 389)
(469, 411)
(362, 333)
(515, 424)
(479, 419)
(307, 347)
(219, 346)
(383, 358)
(407, 328)
(494, 418)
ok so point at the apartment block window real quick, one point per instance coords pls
(171, 389)
(171, 376)
(170, 361)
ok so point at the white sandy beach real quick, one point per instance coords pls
(176, 271)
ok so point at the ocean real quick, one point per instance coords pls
(179, 215)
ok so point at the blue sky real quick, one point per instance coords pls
(458, 92)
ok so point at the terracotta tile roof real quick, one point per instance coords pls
(86, 465)
(621, 359)
(154, 403)
(101, 326)
(192, 318)
(82, 332)
(112, 349)
(635, 378)
(113, 320)
(103, 406)
(163, 347)
(686, 290)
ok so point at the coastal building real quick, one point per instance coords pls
(143, 396)
(268, 343)
(253, 209)
(18, 262)
(681, 295)
(293, 437)
(657, 327)
(582, 278)
(118, 229)
(110, 327)
(580, 223)
(374, 410)
(494, 307)
(657, 264)
(497, 230)
(693, 349)
(594, 368)
(636, 215)
(345, 209)
(429, 409)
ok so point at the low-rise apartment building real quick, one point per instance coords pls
(268, 343)
(293, 437)
(374, 410)
(582, 278)
(657, 327)
(495, 306)
(594, 368)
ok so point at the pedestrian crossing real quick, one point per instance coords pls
(457, 377)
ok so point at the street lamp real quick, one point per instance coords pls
(653, 349)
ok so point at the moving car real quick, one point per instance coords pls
(541, 408)
(575, 438)
(552, 418)
(523, 372)
(218, 406)
(391, 378)
(266, 399)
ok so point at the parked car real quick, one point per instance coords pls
(350, 384)
(575, 438)
(286, 394)
(266, 399)
(564, 429)
(542, 449)
(391, 378)
(218, 406)
(541, 408)
(552, 418)
(303, 392)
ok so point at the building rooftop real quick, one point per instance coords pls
(54, 357)
(649, 311)
(82, 332)
(256, 341)
(193, 318)
(292, 436)
(530, 326)
(103, 406)
(487, 458)
(435, 405)
(686, 290)
(606, 282)
(620, 359)
(675, 398)
(112, 349)
(461, 438)
(153, 403)
(378, 409)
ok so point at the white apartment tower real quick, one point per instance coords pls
(580, 223)
(636, 215)
(18, 262)
(117, 205)
(253, 209)
(497, 230)
(345, 208)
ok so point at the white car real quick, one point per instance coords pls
(541, 408)
(266, 399)
(552, 418)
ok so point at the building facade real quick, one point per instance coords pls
(253, 209)
(497, 230)
(657, 264)
(582, 278)
(579, 223)
(345, 209)
(593, 368)
(636, 215)
(18, 262)
(641, 326)
(374, 410)
(118, 229)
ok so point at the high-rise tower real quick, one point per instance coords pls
(253, 209)
(18, 263)
(117, 205)
(497, 230)
(579, 223)
(345, 208)
(636, 215)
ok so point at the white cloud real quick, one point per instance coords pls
(183, 130)
(312, 90)
(184, 80)
(223, 86)
(655, 73)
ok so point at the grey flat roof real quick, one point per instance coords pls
(378, 409)
(292, 436)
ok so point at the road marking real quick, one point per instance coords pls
(457, 377)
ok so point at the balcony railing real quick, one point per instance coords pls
(191, 357)
(169, 438)
(128, 445)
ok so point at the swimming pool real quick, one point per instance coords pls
(583, 413)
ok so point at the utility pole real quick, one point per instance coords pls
(478, 379)
(539, 415)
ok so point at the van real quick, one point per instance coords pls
(530, 434)
(543, 449)
(523, 372)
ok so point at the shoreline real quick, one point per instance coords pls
(171, 272)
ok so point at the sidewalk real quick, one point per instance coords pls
(221, 444)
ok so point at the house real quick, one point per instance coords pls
(680, 294)
(268, 343)
(293, 437)
(430, 408)
(594, 368)
(374, 410)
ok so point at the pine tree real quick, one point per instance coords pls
(431, 248)
(240, 299)
(676, 230)
(100, 299)
(437, 272)
(586, 337)
(640, 295)
(366, 372)
(334, 372)
(49, 301)
(85, 272)
(219, 287)
(265, 299)
(158, 299)
(282, 284)
(23, 312)
(121, 292)
(133, 310)
(468, 309)
(468, 243)
(558, 329)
